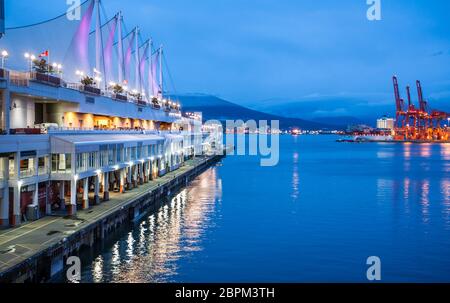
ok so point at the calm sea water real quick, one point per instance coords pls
(316, 217)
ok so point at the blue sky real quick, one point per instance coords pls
(287, 50)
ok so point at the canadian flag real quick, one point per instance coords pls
(44, 54)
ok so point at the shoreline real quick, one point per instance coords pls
(37, 251)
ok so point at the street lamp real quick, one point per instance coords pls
(4, 56)
(80, 74)
(57, 67)
(30, 58)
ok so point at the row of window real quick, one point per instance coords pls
(112, 155)
(115, 155)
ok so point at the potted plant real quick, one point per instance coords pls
(155, 102)
(43, 72)
(88, 85)
(118, 92)
(138, 96)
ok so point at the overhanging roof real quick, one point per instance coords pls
(90, 143)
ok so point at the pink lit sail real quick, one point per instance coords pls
(80, 42)
(108, 50)
(128, 57)
(142, 64)
(153, 81)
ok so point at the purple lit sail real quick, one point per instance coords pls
(80, 42)
(108, 50)
(153, 82)
(142, 64)
(128, 57)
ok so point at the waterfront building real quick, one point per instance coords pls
(385, 123)
(66, 144)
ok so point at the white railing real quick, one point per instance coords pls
(19, 78)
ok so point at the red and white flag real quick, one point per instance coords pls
(44, 54)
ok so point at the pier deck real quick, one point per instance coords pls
(20, 245)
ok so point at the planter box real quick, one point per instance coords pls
(156, 106)
(47, 79)
(3, 73)
(140, 102)
(120, 97)
(92, 90)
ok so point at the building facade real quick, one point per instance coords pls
(385, 123)
(65, 147)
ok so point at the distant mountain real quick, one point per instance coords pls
(343, 121)
(331, 110)
(218, 109)
(337, 110)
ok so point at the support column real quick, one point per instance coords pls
(106, 186)
(72, 209)
(130, 170)
(4, 208)
(135, 176)
(6, 110)
(97, 190)
(122, 180)
(36, 195)
(4, 202)
(86, 193)
(48, 208)
(16, 218)
(62, 194)
(141, 173)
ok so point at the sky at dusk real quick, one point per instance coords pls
(286, 50)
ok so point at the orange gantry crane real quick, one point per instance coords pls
(420, 124)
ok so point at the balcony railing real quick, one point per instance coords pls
(18, 78)
(46, 79)
(27, 173)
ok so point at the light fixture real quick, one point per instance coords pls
(5, 54)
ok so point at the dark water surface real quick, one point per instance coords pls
(315, 217)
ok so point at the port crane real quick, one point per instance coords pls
(420, 123)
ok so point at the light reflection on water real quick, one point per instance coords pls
(149, 252)
(355, 200)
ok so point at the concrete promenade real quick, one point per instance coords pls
(18, 245)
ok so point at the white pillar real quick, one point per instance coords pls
(16, 207)
(17, 189)
(122, 180)
(135, 175)
(36, 195)
(86, 193)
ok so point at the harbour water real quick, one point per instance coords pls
(315, 217)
